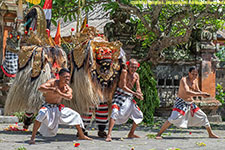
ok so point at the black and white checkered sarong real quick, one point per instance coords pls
(10, 64)
(181, 106)
(120, 96)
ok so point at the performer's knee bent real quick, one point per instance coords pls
(115, 114)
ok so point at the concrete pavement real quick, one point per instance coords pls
(184, 139)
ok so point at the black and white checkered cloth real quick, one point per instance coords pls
(184, 106)
(120, 96)
(10, 63)
(50, 105)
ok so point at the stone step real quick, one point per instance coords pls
(8, 119)
(1, 111)
(215, 118)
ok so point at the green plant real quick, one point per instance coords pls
(220, 93)
(19, 115)
(21, 148)
(148, 87)
(151, 136)
(221, 54)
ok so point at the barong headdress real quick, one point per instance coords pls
(34, 42)
(103, 55)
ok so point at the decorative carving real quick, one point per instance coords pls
(80, 43)
(37, 63)
(206, 35)
(203, 40)
(25, 54)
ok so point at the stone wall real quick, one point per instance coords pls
(220, 73)
(220, 79)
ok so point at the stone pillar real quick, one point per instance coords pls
(207, 78)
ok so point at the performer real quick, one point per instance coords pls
(52, 112)
(124, 107)
(185, 113)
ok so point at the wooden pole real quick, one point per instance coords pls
(78, 16)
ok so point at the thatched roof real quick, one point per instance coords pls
(97, 18)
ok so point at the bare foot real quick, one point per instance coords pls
(32, 142)
(84, 137)
(108, 139)
(212, 135)
(158, 137)
(133, 136)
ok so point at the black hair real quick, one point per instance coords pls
(192, 68)
(63, 70)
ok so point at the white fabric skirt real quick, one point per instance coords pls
(124, 107)
(186, 114)
(51, 117)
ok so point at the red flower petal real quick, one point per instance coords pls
(76, 144)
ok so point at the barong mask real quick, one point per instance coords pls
(105, 65)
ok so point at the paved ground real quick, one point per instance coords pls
(184, 139)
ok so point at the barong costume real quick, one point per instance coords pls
(187, 114)
(51, 115)
(95, 69)
(101, 114)
(125, 107)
